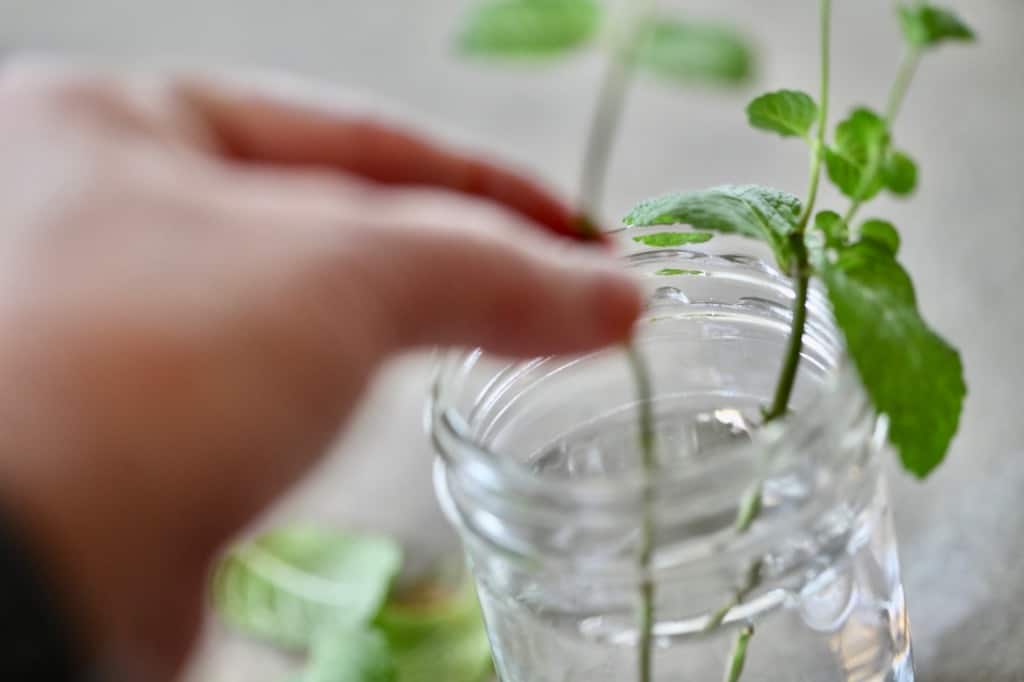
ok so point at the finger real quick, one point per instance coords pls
(256, 125)
(487, 282)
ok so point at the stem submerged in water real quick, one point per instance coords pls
(600, 138)
(645, 407)
(739, 654)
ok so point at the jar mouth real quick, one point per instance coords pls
(773, 440)
(719, 295)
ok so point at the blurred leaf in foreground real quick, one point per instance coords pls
(288, 584)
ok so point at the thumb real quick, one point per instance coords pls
(457, 273)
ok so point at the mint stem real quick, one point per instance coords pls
(641, 375)
(794, 347)
(603, 130)
(611, 101)
(851, 212)
(897, 94)
(739, 654)
(791, 362)
(904, 77)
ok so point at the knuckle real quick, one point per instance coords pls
(64, 88)
(44, 79)
(85, 95)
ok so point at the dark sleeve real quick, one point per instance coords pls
(35, 640)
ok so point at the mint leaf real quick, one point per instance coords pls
(685, 51)
(350, 655)
(668, 272)
(668, 239)
(861, 133)
(900, 174)
(927, 26)
(910, 373)
(286, 585)
(750, 210)
(529, 28)
(854, 163)
(831, 224)
(789, 113)
(844, 173)
(437, 633)
(881, 233)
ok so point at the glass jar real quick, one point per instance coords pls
(540, 471)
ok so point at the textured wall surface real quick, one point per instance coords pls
(962, 534)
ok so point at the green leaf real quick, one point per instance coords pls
(854, 164)
(844, 173)
(529, 28)
(900, 174)
(881, 233)
(668, 239)
(928, 25)
(860, 134)
(350, 655)
(910, 373)
(750, 210)
(287, 584)
(684, 51)
(668, 272)
(831, 224)
(437, 633)
(789, 113)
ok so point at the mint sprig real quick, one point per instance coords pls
(676, 51)
(912, 375)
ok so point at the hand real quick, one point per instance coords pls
(196, 282)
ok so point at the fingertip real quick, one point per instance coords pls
(616, 303)
(588, 230)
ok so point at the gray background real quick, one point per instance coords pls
(960, 533)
